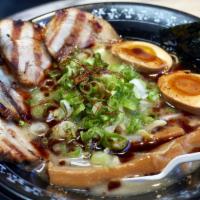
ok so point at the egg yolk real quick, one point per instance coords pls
(186, 85)
(144, 53)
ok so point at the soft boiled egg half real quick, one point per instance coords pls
(145, 57)
(182, 89)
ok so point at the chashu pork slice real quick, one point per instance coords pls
(151, 162)
(71, 28)
(22, 48)
(15, 144)
(12, 106)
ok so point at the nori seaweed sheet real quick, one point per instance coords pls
(184, 40)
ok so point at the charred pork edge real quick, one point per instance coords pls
(12, 101)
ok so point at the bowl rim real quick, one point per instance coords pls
(50, 8)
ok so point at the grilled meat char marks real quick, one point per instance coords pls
(15, 145)
(74, 28)
(12, 105)
(22, 48)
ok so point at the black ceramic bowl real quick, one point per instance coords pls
(131, 20)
